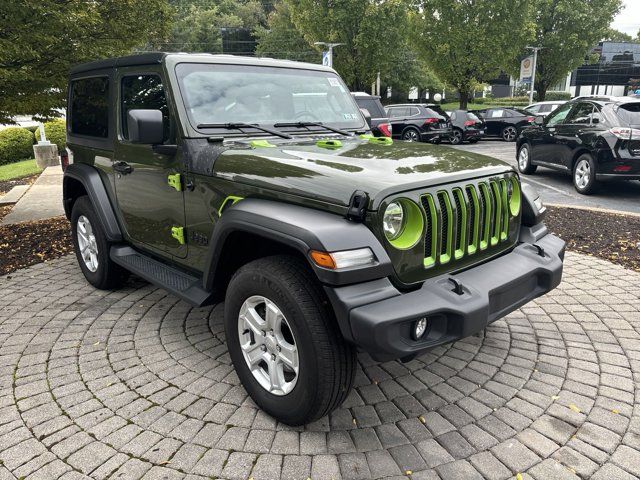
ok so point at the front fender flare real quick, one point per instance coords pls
(302, 229)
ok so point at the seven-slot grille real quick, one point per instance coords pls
(464, 220)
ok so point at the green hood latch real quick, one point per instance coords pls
(175, 181)
(329, 144)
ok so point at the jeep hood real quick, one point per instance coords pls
(302, 168)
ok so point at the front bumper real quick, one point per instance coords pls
(379, 317)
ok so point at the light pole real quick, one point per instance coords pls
(329, 62)
(533, 72)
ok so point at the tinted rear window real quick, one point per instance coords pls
(435, 111)
(373, 105)
(90, 107)
(629, 113)
(472, 116)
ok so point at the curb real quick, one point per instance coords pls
(594, 209)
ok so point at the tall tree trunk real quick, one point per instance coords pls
(541, 90)
(464, 98)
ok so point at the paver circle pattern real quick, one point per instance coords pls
(135, 383)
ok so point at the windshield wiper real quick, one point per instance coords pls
(241, 125)
(315, 124)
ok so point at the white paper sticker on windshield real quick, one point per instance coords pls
(334, 82)
(350, 116)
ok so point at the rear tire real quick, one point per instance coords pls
(509, 134)
(584, 175)
(411, 135)
(326, 363)
(92, 248)
(456, 137)
(524, 160)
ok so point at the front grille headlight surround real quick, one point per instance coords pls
(403, 223)
(514, 196)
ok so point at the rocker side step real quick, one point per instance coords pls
(181, 284)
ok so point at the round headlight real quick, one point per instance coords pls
(514, 196)
(393, 220)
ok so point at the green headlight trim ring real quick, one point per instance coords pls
(413, 226)
(381, 141)
(329, 144)
(515, 202)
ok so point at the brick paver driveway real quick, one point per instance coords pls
(135, 383)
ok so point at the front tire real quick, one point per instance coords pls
(92, 248)
(524, 160)
(284, 341)
(584, 175)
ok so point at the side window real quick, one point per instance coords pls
(558, 115)
(496, 114)
(536, 108)
(414, 111)
(453, 116)
(545, 108)
(580, 115)
(90, 107)
(144, 92)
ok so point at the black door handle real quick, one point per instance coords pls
(122, 167)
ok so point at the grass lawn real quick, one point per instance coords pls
(16, 170)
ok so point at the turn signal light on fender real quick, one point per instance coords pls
(362, 257)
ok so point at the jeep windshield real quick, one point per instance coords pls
(294, 99)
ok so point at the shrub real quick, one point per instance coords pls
(56, 132)
(555, 96)
(15, 144)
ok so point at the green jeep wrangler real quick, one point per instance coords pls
(256, 182)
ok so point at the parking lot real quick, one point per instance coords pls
(556, 187)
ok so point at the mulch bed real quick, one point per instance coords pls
(28, 243)
(7, 185)
(612, 237)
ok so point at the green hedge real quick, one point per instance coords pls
(16, 144)
(555, 96)
(56, 132)
(504, 102)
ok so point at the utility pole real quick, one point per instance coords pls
(328, 60)
(533, 72)
(378, 84)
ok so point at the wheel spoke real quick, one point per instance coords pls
(274, 317)
(276, 375)
(253, 320)
(254, 353)
(289, 356)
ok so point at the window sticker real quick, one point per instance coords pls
(334, 82)
(350, 116)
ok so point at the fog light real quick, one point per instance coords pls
(419, 327)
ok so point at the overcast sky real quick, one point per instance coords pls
(628, 20)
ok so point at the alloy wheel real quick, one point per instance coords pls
(456, 137)
(509, 134)
(410, 136)
(87, 243)
(523, 158)
(268, 345)
(583, 174)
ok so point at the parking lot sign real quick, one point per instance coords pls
(526, 69)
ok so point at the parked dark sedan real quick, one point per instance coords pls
(593, 140)
(379, 122)
(505, 123)
(419, 122)
(465, 126)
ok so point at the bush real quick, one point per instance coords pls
(15, 144)
(556, 96)
(56, 132)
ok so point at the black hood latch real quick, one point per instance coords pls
(358, 206)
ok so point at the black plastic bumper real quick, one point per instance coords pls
(379, 318)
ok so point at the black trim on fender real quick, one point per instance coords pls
(90, 178)
(302, 229)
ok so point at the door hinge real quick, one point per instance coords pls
(178, 234)
(175, 181)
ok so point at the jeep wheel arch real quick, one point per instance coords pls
(80, 179)
(298, 229)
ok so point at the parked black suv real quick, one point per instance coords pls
(505, 123)
(377, 120)
(419, 122)
(466, 126)
(593, 140)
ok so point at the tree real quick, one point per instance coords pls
(281, 39)
(39, 41)
(566, 30)
(613, 35)
(373, 32)
(468, 42)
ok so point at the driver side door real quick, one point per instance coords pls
(152, 211)
(544, 148)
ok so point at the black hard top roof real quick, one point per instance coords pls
(149, 58)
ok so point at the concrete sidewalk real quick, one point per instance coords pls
(43, 200)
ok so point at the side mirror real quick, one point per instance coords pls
(145, 126)
(366, 115)
(539, 120)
